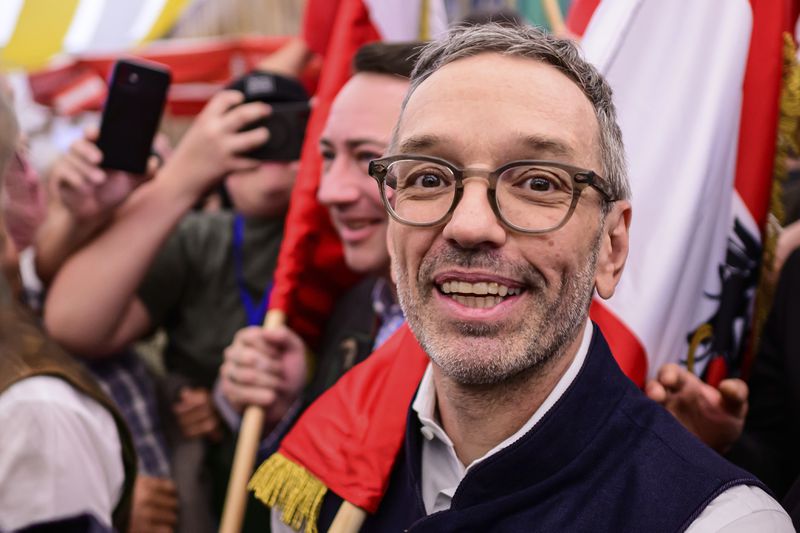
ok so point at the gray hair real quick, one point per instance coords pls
(531, 42)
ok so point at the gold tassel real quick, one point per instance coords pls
(787, 141)
(283, 483)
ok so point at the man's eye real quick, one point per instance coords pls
(540, 184)
(428, 180)
(327, 155)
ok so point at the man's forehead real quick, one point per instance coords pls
(368, 101)
(495, 104)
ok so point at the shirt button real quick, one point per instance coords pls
(427, 433)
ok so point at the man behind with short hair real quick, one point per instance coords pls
(358, 130)
(510, 207)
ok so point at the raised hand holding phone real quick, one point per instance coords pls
(131, 114)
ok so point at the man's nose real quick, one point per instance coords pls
(341, 183)
(473, 222)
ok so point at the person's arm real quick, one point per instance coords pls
(92, 308)
(82, 198)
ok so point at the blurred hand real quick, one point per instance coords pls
(715, 415)
(210, 148)
(196, 414)
(289, 60)
(265, 368)
(89, 192)
(154, 507)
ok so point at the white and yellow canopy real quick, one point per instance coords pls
(32, 32)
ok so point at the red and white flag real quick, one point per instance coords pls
(311, 272)
(696, 85)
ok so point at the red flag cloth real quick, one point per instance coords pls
(317, 28)
(580, 13)
(762, 87)
(311, 272)
(350, 436)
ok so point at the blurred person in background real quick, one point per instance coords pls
(22, 200)
(267, 367)
(67, 458)
(201, 276)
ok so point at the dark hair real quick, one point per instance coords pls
(396, 59)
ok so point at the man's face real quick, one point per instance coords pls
(539, 286)
(358, 130)
(263, 192)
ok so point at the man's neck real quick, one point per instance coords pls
(479, 417)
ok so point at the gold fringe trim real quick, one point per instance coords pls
(788, 136)
(283, 483)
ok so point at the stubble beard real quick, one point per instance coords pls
(493, 353)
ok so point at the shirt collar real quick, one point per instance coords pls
(425, 402)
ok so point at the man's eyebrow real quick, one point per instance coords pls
(420, 143)
(352, 144)
(355, 143)
(547, 145)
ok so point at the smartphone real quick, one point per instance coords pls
(287, 129)
(131, 114)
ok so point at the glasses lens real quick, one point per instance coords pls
(420, 192)
(534, 197)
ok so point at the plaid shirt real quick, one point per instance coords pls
(126, 380)
(387, 310)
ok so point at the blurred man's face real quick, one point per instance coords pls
(264, 191)
(358, 130)
(487, 302)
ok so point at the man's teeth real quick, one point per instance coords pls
(357, 225)
(481, 302)
(460, 288)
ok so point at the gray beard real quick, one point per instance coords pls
(489, 354)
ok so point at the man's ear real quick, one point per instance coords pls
(613, 249)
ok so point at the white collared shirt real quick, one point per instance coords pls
(60, 454)
(739, 509)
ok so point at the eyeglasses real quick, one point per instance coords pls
(528, 196)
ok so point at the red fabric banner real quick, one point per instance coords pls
(350, 436)
(311, 272)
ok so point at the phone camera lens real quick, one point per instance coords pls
(133, 77)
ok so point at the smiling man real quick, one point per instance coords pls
(507, 188)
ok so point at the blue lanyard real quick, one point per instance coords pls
(255, 314)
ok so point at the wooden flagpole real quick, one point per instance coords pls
(246, 451)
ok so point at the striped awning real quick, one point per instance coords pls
(32, 32)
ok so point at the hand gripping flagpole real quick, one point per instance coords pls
(348, 519)
(246, 450)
